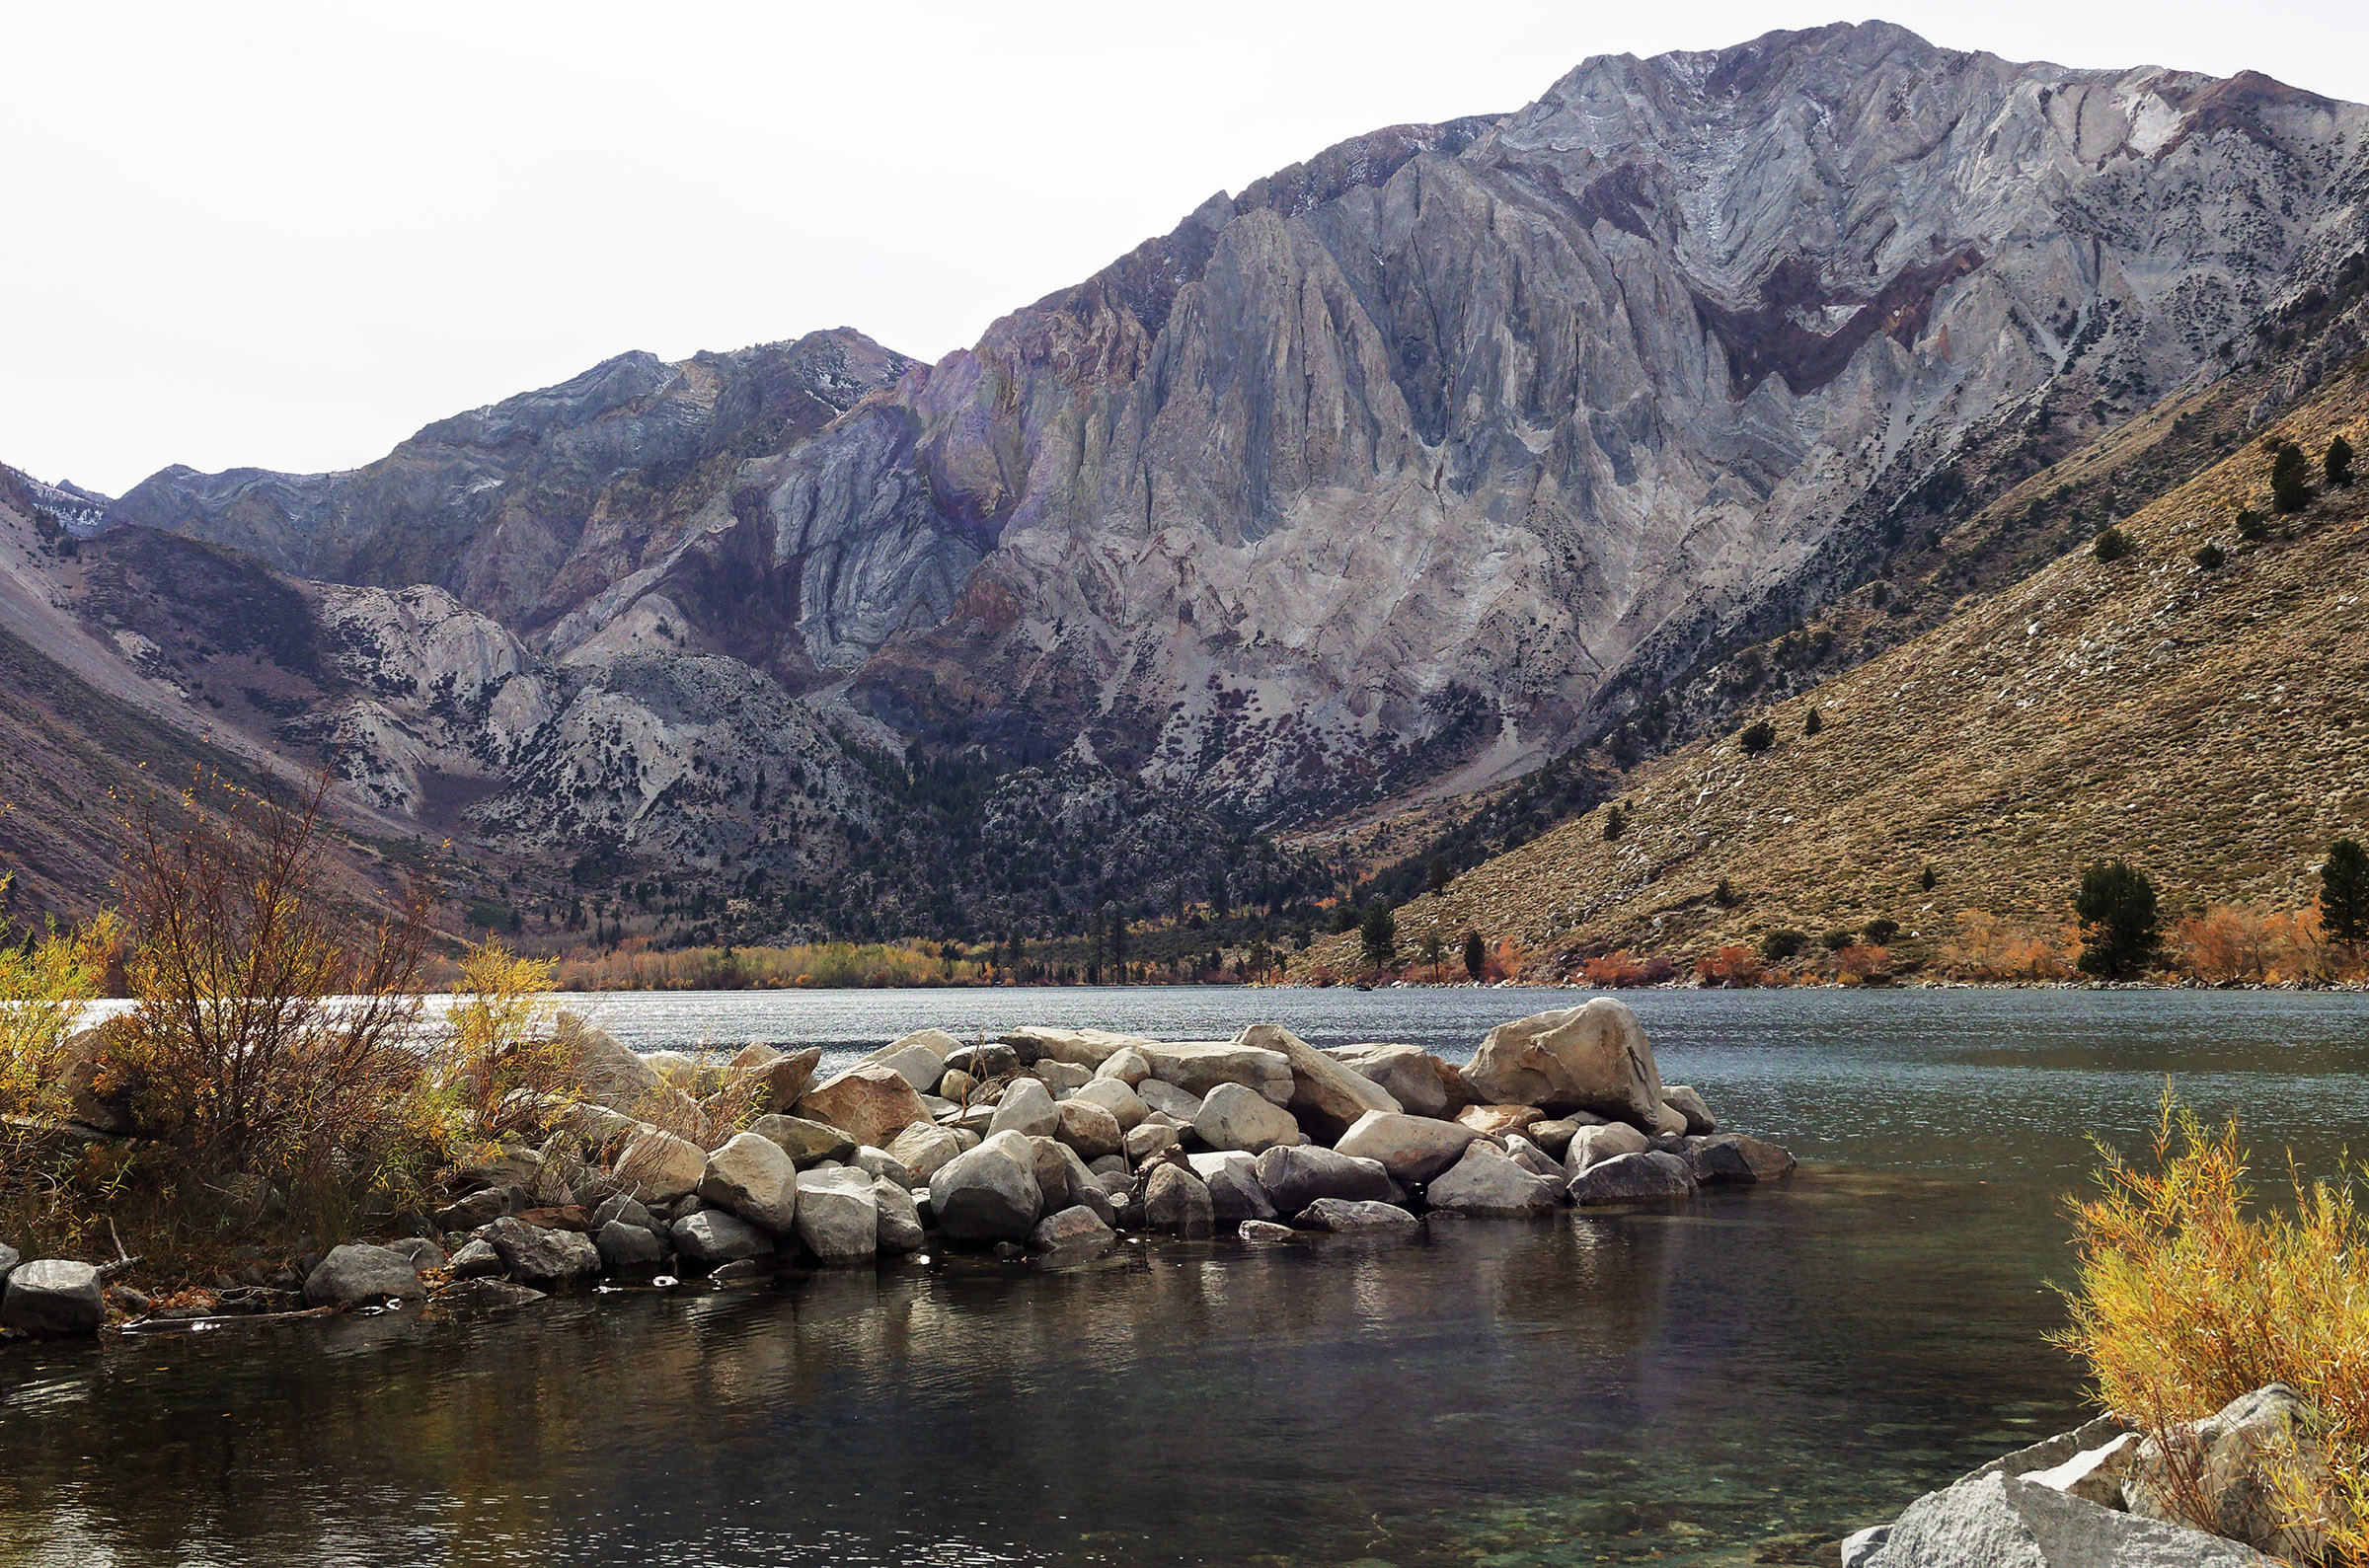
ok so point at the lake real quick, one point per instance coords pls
(1729, 1382)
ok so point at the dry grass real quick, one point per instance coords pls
(2187, 1299)
(822, 965)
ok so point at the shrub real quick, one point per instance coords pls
(2209, 555)
(1927, 877)
(1880, 930)
(2337, 465)
(2250, 526)
(2290, 481)
(2112, 545)
(1986, 948)
(1475, 955)
(1781, 944)
(265, 1042)
(1345, 916)
(2115, 904)
(1725, 895)
(2344, 893)
(1757, 737)
(1812, 723)
(1435, 950)
(1437, 876)
(1614, 823)
(1729, 966)
(509, 1059)
(1615, 971)
(1836, 940)
(1862, 962)
(1378, 934)
(2186, 1300)
(46, 977)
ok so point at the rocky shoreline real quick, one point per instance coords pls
(1046, 1142)
(2112, 1494)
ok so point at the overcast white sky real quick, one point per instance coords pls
(290, 235)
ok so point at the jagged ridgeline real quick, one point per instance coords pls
(1405, 471)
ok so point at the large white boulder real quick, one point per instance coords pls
(1592, 1146)
(756, 1179)
(1027, 1109)
(1591, 1058)
(871, 1104)
(1411, 1148)
(1117, 1096)
(1487, 1183)
(1239, 1118)
(1323, 1093)
(2002, 1520)
(839, 1214)
(1198, 1066)
(1423, 1085)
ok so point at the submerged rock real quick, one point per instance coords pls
(484, 1296)
(712, 1237)
(1351, 1217)
(1176, 1201)
(546, 1260)
(1072, 1229)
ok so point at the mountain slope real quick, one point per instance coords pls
(2207, 722)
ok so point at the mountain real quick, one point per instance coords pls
(1398, 475)
(2204, 719)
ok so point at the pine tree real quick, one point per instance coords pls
(2290, 483)
(1813, 723)
(1475, 955)
(2118, 929)
(2344, 893)
(2337, 465)
(1757, 737)
(1378, 934)
(1615, 824)
(1926, 878)
(1438, 877)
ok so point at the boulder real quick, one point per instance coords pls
(1028, 1110)
(625, 1248)
(597, 1127)
(78, 1071)
(753, 1177)
(10, 1257)
(1080, 1185)
(712, 1238)
(418, 1251)
(1591, 1146)
(1148, 1140)
(1496, 1121)
(1632, 1177)
(919, 1057)
(989, 1194)
(980, 1063)
(1176, 1201)
(1072, 1229)
(1591, 1058)
(1126, 1065)
(473, 1259)
(1860, 1546)
(923, 1148)
(631, 1211)
(753, 1057)
(1089, 1129)
(1264, 1231)
(678, 1068)
(1323, 1093)
(1179, 1105)
(533, 1255)
(1421, 1084)
(1668, 1122)
(1055, 1175)
(353, 1274)
(1232, 1178)
(1686, 1102)
(609, 1074)
(1410, 1148)
(1295, 1177)
(1536, 1160)
(2050, 1451)
(1239, 1118)
(1062, 1078)
(1352, 1217)
(2229, 1454)
(2008, 1522)
(783, 1081)
(1113, 1095)
(953, 1091)
(1737, 1158)
(1486, 1181)
(1198, 1066)
(484, 1296)
(882, 1165)
(2095, 1475)
(870, 1104)
(1086, 1047)
(899, 1219)
(838, 1218)
(1555, 1134)
(660, 1168)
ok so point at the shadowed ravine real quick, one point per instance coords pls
(1684, 1383)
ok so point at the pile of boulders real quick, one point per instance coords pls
(1046, 1140)
(2113, 1495)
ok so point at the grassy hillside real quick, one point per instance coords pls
(2210, 723)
